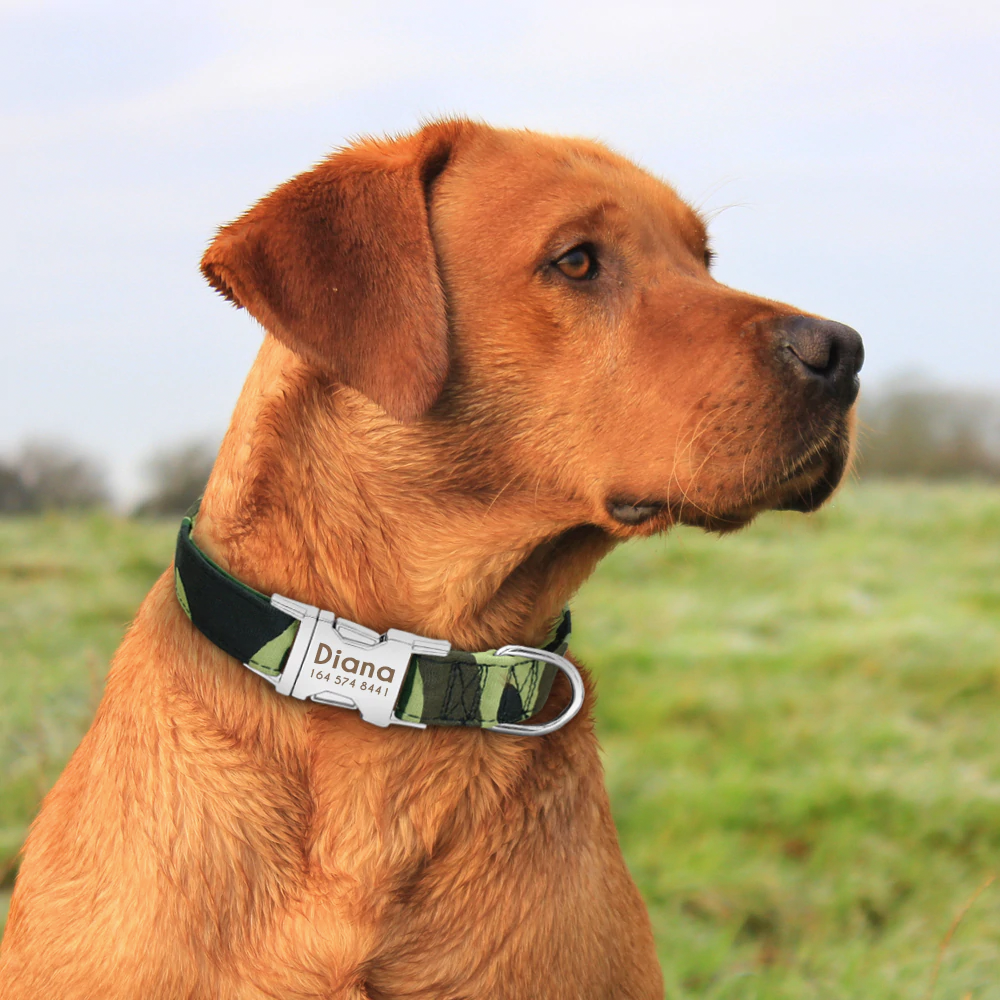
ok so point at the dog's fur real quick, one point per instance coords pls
(441, 434)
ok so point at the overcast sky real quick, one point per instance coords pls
(847, 153)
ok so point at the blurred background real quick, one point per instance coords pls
(800, 731)
(846, 154)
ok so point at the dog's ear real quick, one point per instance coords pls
(339, 265)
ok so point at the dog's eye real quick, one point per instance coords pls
(709, 258)
(580, 263)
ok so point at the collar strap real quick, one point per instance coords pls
(397, 678)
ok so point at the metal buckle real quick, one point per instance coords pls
(317, 668)
(576, 703)
(338, 662)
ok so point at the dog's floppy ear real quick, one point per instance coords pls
(339, 265)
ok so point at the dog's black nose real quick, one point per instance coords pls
(824, 354)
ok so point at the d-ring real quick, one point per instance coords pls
(530, 653)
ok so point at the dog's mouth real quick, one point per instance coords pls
(812, 486)
(803, 484)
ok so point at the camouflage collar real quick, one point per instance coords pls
(397, 678)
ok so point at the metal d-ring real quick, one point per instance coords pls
(530, 653)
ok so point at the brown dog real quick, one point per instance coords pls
(491, 356)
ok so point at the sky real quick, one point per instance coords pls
(847, 154)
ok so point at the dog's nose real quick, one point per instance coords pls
(824, 354)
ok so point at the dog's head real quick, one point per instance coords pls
(549, 301)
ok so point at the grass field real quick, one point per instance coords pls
(800, 722)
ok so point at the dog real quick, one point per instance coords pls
(489, 357)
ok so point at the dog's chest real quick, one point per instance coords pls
(496, 888)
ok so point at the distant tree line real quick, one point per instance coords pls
(46, 476)
(55, 476)
(929, 433)
(905, 429)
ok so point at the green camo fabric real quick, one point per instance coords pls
(475, 689)
(459, 689)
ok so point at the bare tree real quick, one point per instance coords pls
(177, 478)
(15, 497)
(57, 476)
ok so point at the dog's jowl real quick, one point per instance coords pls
(489, 357)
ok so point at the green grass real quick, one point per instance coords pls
(800, 725)
(68, 587)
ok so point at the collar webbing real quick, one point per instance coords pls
(457, 689)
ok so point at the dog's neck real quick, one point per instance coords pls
(327, 500)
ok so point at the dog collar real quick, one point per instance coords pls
(396, 678)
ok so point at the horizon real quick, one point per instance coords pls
(847, 156)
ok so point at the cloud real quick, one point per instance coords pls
(700, 57)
